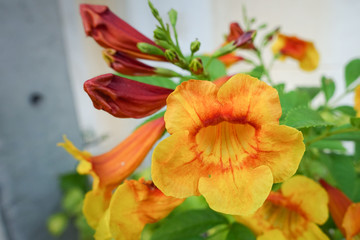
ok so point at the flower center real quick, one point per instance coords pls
(227, 144)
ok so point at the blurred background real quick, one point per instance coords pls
(45, 58)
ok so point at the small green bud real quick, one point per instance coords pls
(159, 34)
(163, 44)
(149, 49)
(173, 17)
(195, 46)
(228, 48)
(196, 66)
(171, 56)
(57, 223)
(154, 11)
(163, 72)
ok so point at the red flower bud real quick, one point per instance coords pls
(126, 65)
(125, 98)
(110, 31)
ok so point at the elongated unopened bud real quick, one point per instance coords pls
(149, 49)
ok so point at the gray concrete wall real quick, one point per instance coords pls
(36, 108)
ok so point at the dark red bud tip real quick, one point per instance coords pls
(87, 12)
(125, 98)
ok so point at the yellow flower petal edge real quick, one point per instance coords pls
(351, 222)
(289, 211)
(357, 101)
(226, 144)
(272, 235)
(135, 204)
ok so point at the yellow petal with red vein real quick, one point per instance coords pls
(188, 109)
(309, 195)
(309, 232)
(311, 58)
(281, 148)
(229, 132)
(236, 191)
(272, 235)
(246, 99)
(174, 168)
(95, 204)
(351, 222)
(357, 101)
(135, 204)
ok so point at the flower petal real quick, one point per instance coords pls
(272, 235)
(95, 204)
(173, 165)
(311, 59)
(188, 109)
(236, 191)
(125, 98)
(309, 195)
(338, 204)
(281, 149)
(351, 222)
(357, 101)
(247, 99)
(135, 204)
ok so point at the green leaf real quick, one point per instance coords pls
(74, 180)
(280, 88)
(354, 121)
(186, 225)
(303, 117)
(291, 100)
(311, 91)
(173, 17)
(240, 232)
(257, 72)
(328, 144)
(152, 80)
(348, 110)
(328, 87)
(216, 68)
(352, 71)
(343, 172)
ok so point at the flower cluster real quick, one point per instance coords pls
(231, 140)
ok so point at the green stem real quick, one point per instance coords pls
(328, 134)
(266, 72)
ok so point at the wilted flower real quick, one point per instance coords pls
(295, 210)
(303, 51)
(241, 39)
(226, 144)
(125, 98)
